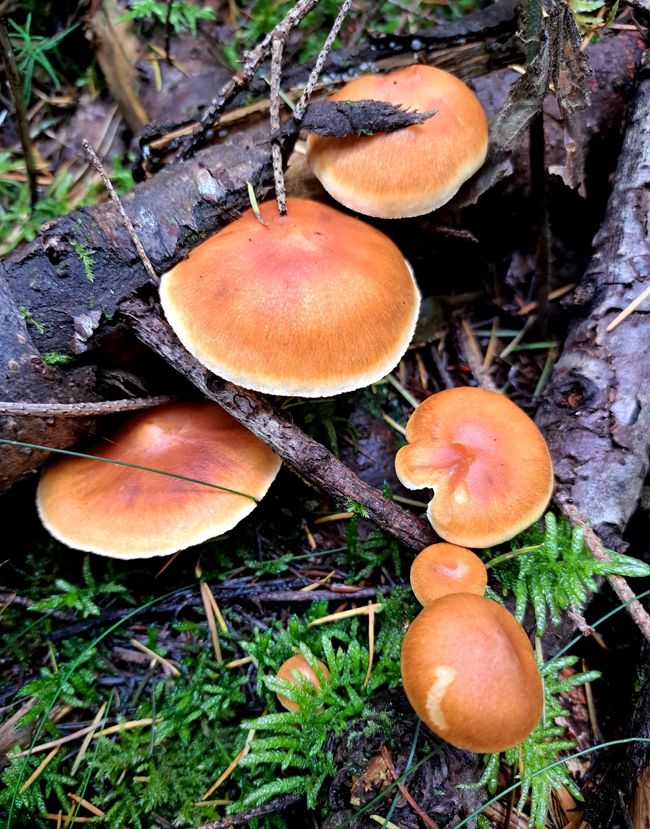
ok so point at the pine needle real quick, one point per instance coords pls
(86, 741)
(38, 770)
(212, 625)
(344, 614)
(371, 642)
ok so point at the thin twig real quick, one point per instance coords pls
(405, 792)
(277, 49)
(252, 62)
(308, 458)
(618, 584)
(101, 407)
(97, 164)
(314, 75)
(275, 806)
(629, 309)
(13, 79)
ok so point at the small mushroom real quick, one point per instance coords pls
(310, 304)
(446, 568)
(469, 672)
(299, 672)
(486, 461)
(413, 170)
(122, 512)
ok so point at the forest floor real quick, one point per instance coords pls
(141, 693)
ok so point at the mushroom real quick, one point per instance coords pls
(312, 303)
(470, 673)
(122, 512)
(485, 459)
(413, 170)
(299, 672)
(443, 568)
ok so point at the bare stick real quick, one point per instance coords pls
(13, 79)
(102, 407)
(314, 75)
(276, 146)
(618, 584)
(97, 164)
(309, 459)
(252, 62)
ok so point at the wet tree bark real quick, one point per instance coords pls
(596, 410)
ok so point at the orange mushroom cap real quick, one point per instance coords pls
(445, 568)
(469, 672)
(485, 459)
(312, 303)
(299, 664)
(413, 170)
(130, 513)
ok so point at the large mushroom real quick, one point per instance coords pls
(486, 461)
(410, 171)
(126, 513)
(469, 672)
(312, 303)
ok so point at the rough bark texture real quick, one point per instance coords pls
(306, 457)
(596, 411)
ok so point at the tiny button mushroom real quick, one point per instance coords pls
(299, 672)
(413, 170)
(485, 459)
(469, 672)
(446, 568)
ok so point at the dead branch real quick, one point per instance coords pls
(309, 459)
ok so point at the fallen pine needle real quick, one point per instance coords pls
(212, 625)
(86, 804)
(344, 614)
(335, 516)
(69, 738)
(315, 585)
(86, 741)
(38, 770)
(156, 657)
(237, 663)
(394, 424)
(233, 765)
(217, 612)
(629, 309)
(382, 820)
(405, 792)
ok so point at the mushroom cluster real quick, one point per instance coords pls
(468, 667)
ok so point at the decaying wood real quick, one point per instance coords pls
(596, 410)
(306, 457)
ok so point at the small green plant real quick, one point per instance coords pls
(86, 255)
(31, 52)
(183, 16)
(55, 359)
(80, 598)
(533, 761)
(26, 314)
(366, 553)
(558, 572)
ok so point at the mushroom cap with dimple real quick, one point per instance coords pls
(414, 170)
(469, 672)
(309, 304)
(305, 674)
(127, 513)
(444, 568)
(486, 461)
